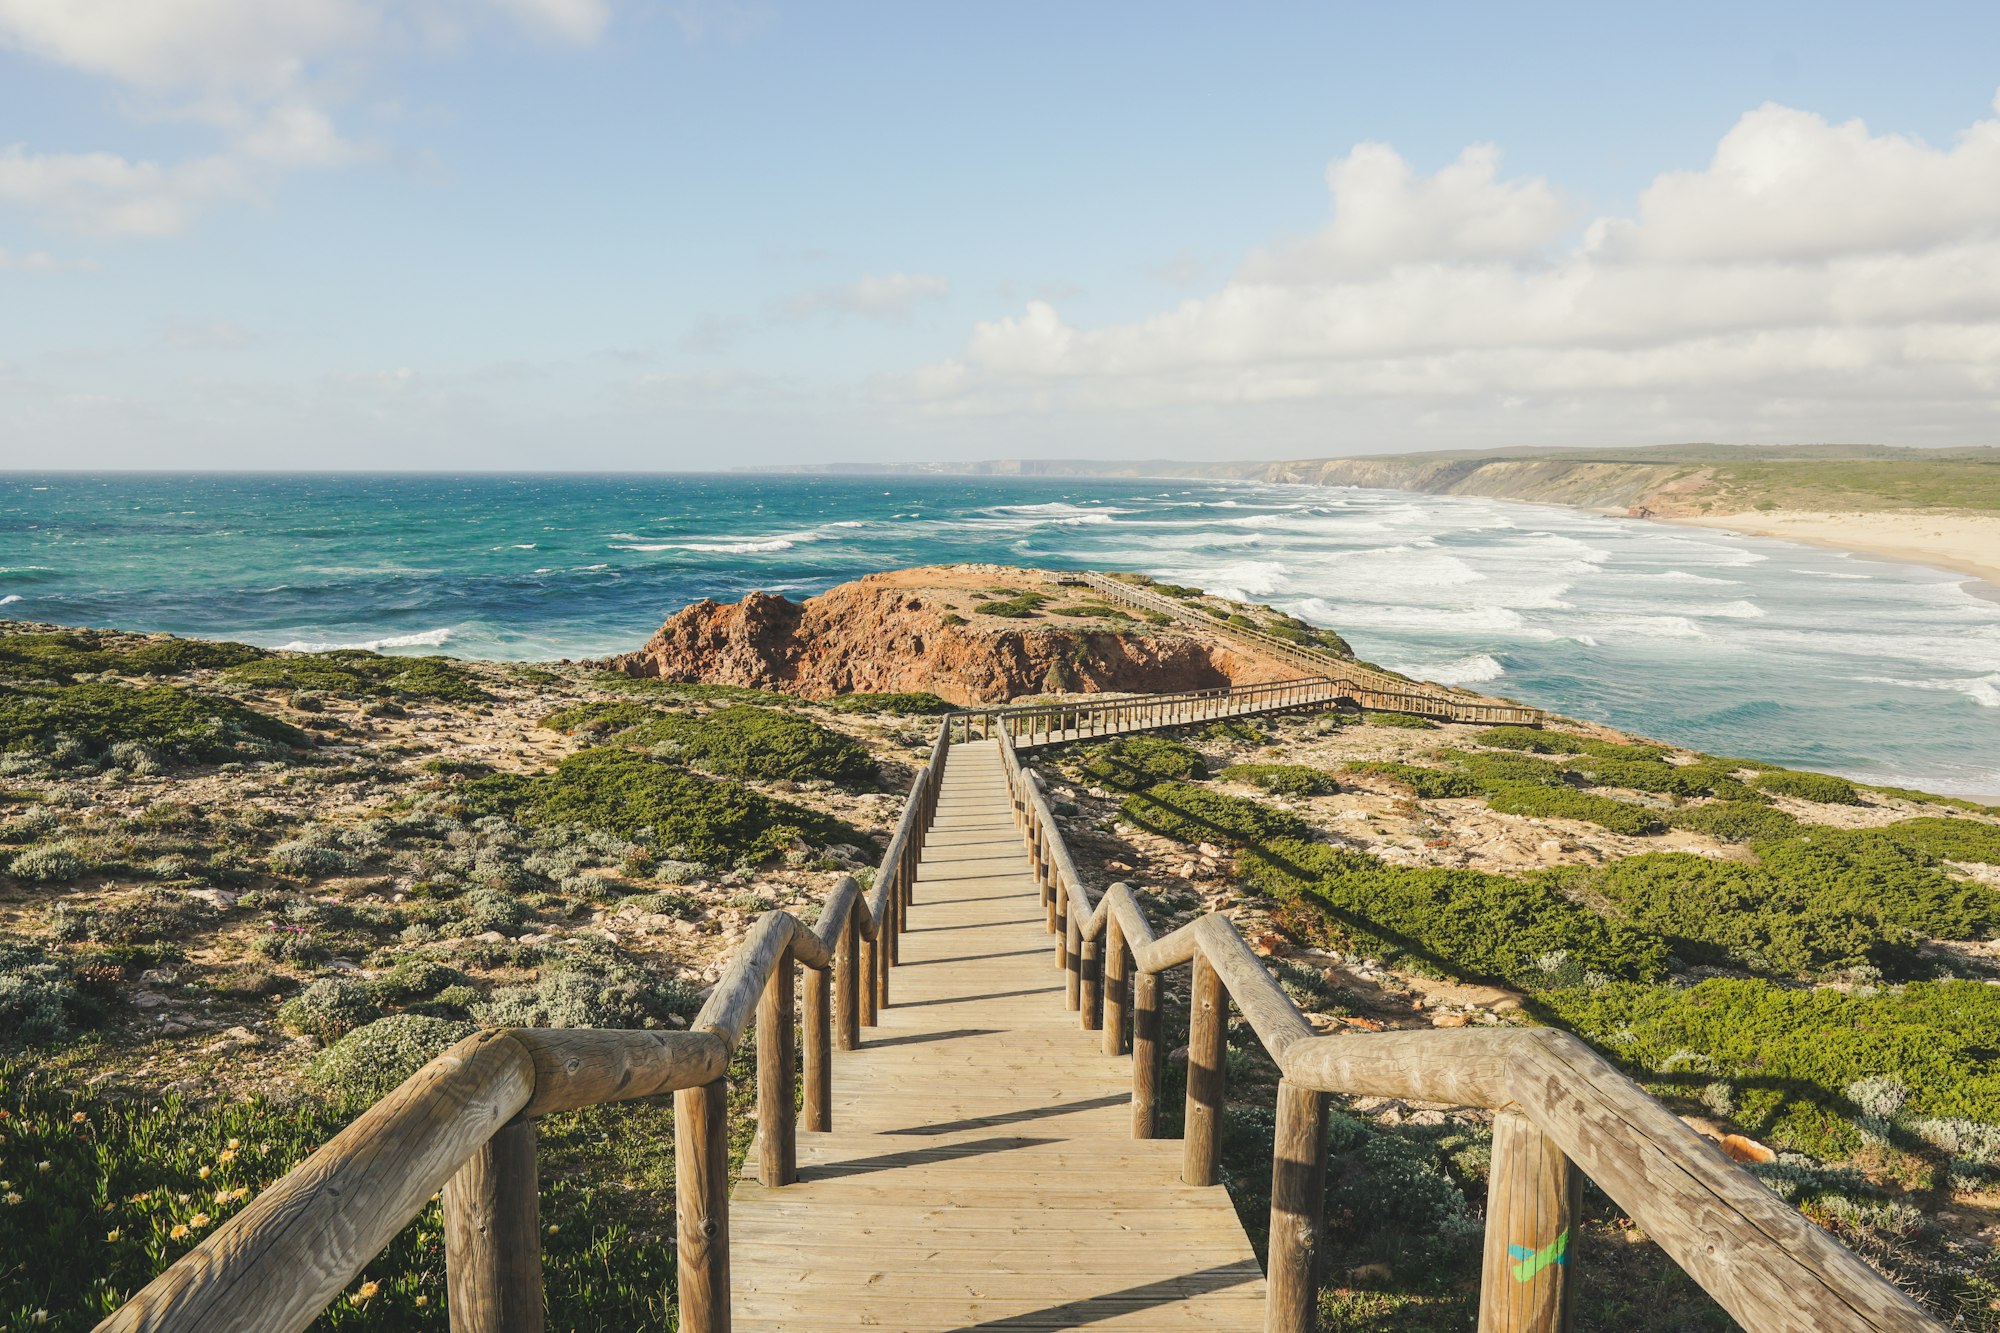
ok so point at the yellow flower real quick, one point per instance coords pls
(79, 1119)
(234, 1144)
(39, 1317)
(12, 1198)
(203, 1173)
(226, 1156)
(198, 1221)
(365, 1292)
(42, 1166)
(179, 1232)
(113, 1235)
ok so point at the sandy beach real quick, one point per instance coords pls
(1962, 543)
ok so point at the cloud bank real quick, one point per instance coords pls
(1807, 266)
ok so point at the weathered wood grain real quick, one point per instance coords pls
(776, 1129)
(493, 1237)
(1208, 1017)
(701, 1207)
(1534, 1204)
(1298, 1193)
(585, 1067)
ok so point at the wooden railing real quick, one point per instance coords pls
(1435, 702)
(464, 1123)
(1562, 1112)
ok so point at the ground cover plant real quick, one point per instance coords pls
(1133, 763)
(632, 795)
(906, 703)
(81, 723)
(62, 655)
(354, 672)
(745, 741)
(1283, 779)
(1195, 814)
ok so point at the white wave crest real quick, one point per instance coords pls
(429, 638)
(1459, 671)
(1984, 690)
(10, 599)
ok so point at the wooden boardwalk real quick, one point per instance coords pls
(981, 1173)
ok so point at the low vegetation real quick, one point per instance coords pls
(1283, 779)
(356, 673)
(105, 723)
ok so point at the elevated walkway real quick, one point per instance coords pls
(982, 1172)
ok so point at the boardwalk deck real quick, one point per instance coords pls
(981, 1173)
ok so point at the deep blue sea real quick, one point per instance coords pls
(1738, 645)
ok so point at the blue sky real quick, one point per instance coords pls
(588, 233)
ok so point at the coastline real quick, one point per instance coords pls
(1960, 543)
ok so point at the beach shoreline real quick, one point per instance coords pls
(1960, 543)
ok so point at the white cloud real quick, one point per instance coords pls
(265, 75)
(889, 296)
(39, 261)
(1809, 263)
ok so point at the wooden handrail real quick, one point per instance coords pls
(464, 1123)
(1562, 1112)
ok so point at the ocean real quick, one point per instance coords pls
(1737, 645)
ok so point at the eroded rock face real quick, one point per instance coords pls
(922, 630)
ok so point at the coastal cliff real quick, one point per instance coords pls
(970, 634)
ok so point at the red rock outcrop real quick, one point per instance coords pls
(903, 630)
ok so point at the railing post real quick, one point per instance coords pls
(1534, 1196)
(1298, 1193)
(847, 982)
(1208, 1017)
(817, 1113)
(493, 1237)
(869, 986)
(1072, 959)
(1058, 925)
(1117, 981)
(701, 1206)
(1090, 998)
(777, 1130)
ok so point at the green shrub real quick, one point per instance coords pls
(40, 1004)
(328, 1009)
(1187, 813)
(1821, 787)
(369, 1062)
(615, 996)
(57, 657)
(1795, 1052)
(1523, 932)
(1408, 721)
(1888, 872)
(1652, 773)
(906, 703)
(1234, 729)
(1428, 784)
(635, 797)
(1397, 1197)
(1735, 821)
(1946, 839)
(354, 672)
(1019, 606)
(1133, 763)
(172, 657)
(1722, 911)
(83, 721)
(306, 858)
(413, 979)
(53, 863)
(1283, 779)
(1535, 740)
(745, 741)
(615, 715)
(1517, 785)
(29, 827)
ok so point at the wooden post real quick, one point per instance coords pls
(818, 1110)
(1117, 986)
(1056, 924)
(701, 1206)
(1146, 1055)
(1072, 961)
(1534, 1200)
(1090, 997)
(866, 977)
(1298, 1193)
(493, 1237)
(847, 984)
(890, 937)
(777, 1128)
(1208, 1018)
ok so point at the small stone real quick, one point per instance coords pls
(1449, 1020)
(155, 976)
(147, 999)
(1209, 850)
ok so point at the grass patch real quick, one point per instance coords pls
(1134, 763)
(1014, 605)
(744, 741)
(1425, 783)
(1187, 813)
(1518, 785)
(1735, 821)
(58, 657)
(353, 672)
(83, 722)
(1821, 787)
(1407, 721)
(1521, 932)
(1283, 779)
(642, 799)
(1791, 1055)
(905, 703)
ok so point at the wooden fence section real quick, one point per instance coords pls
(1435, 702)
(1562, 1113)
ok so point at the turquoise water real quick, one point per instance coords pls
(1732, 644)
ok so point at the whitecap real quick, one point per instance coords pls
(429, 638)
(1459, 671)
(10, 599)
(1984, 690)
(1651, 627)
